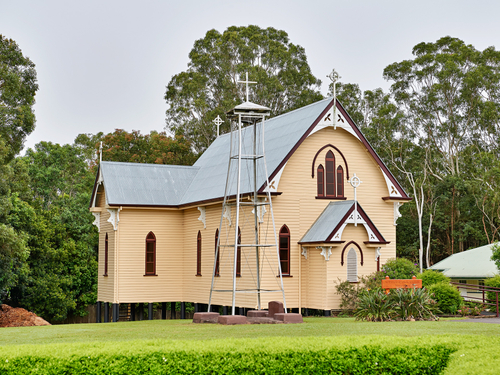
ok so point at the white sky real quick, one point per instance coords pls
(104, 65)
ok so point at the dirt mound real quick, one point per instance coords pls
(18, 317)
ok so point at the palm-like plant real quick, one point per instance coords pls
(374, 306)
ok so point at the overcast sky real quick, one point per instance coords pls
(104, 65)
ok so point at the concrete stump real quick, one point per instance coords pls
(232, 319)
(257, 314)
(275, 307)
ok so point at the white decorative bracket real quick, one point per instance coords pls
(261, 210)
(202, 217)
(114, 217)
(227, 214)
(397, 214)
(304, 252)
(97, 220)
(326, 251)
(377, 253)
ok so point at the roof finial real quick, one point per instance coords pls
(246, 82)
(334, 77)
(100, 153)
(355, 182)
(218, 121)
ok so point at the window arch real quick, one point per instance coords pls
(340, 181)
(150, 254)
(352, 266)
(330, 174)
(238, 255)
(198, 254)
(321, 184)
(217, 253)
(284, 251)
(106, 252)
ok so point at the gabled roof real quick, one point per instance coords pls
(169, 185)
(471, 264)
(331, 220)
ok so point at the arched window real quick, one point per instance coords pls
(198, 254)
(238, 255)
(330, 174)
(150, 254)
(340, 181)
(352, 266)
(217, 252)
(106, 255)
(321, 181)
(285, 250)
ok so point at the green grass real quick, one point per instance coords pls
(477, 344)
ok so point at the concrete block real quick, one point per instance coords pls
(289, 318)
(257, 313)
(205, 317)
(232, 319)
(275, 307)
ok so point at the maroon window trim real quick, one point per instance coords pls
(106, 251)
(198, 254)
(150, 254)
(238, 255)
(330, 174)
(284, 247)
(321, 181)
(344, 249)
(217, 252)
(340, 181)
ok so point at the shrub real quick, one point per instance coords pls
(373, 280)
(399, 268)
(494, 282)
(374, 306)
(431, 277)
(348, 294)
(413, 304)
(448, 297)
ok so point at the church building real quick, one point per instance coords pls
(335, 206)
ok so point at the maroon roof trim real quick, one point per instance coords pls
(376, 243)
(341, 222)
(341, 154)
(292, 151)
(372, 151)
(345, 247)
(95, 187)
(397, 199)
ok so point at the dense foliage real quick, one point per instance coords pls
(491, 295)
(431, 277)
(370, 359)
(210, 85)
(448, 297)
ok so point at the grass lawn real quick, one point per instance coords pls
(478, 344)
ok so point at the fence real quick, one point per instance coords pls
(480, 289)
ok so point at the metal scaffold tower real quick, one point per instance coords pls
(246, 245)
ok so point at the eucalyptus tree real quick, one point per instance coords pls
(209, 87)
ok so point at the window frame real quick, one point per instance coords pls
(320, 175)
(284, 233)
(340, 181)
(238, 255)
(106, 254)
(150, 238)
(217, 261)
(330, 170)
(198, 254)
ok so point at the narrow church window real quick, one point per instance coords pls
(340, 181)
(216, 252)
(198, 254)
(352, 266)
(285, 250)
(330, 174)
(321, 181)
(106, 255)
(150, 254)
(238, 255)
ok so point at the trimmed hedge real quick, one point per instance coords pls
(362, 360)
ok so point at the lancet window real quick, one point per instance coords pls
(284, 243)
(150, 254)
(198, 254)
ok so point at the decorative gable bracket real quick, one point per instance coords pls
(326, 251)
(202, 217)
(97, 220)
(114, 217)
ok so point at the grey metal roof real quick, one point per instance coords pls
(281, 134)
(473, 264)
(331, 216)
(145, 184)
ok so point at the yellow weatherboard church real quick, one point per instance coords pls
(335, 207)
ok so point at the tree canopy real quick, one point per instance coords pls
(209, 86)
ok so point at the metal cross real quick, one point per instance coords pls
(334, 77)
(218, 121)
(100, 153)
(246, 82)
(355, 182)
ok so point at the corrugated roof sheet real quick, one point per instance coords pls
(474, 264)
(327, 221)
(145, 184)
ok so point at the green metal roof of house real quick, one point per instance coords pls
(471, 264)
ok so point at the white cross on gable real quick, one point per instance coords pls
(218, 121)
(246, 82)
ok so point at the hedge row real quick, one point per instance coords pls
(363, 360)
